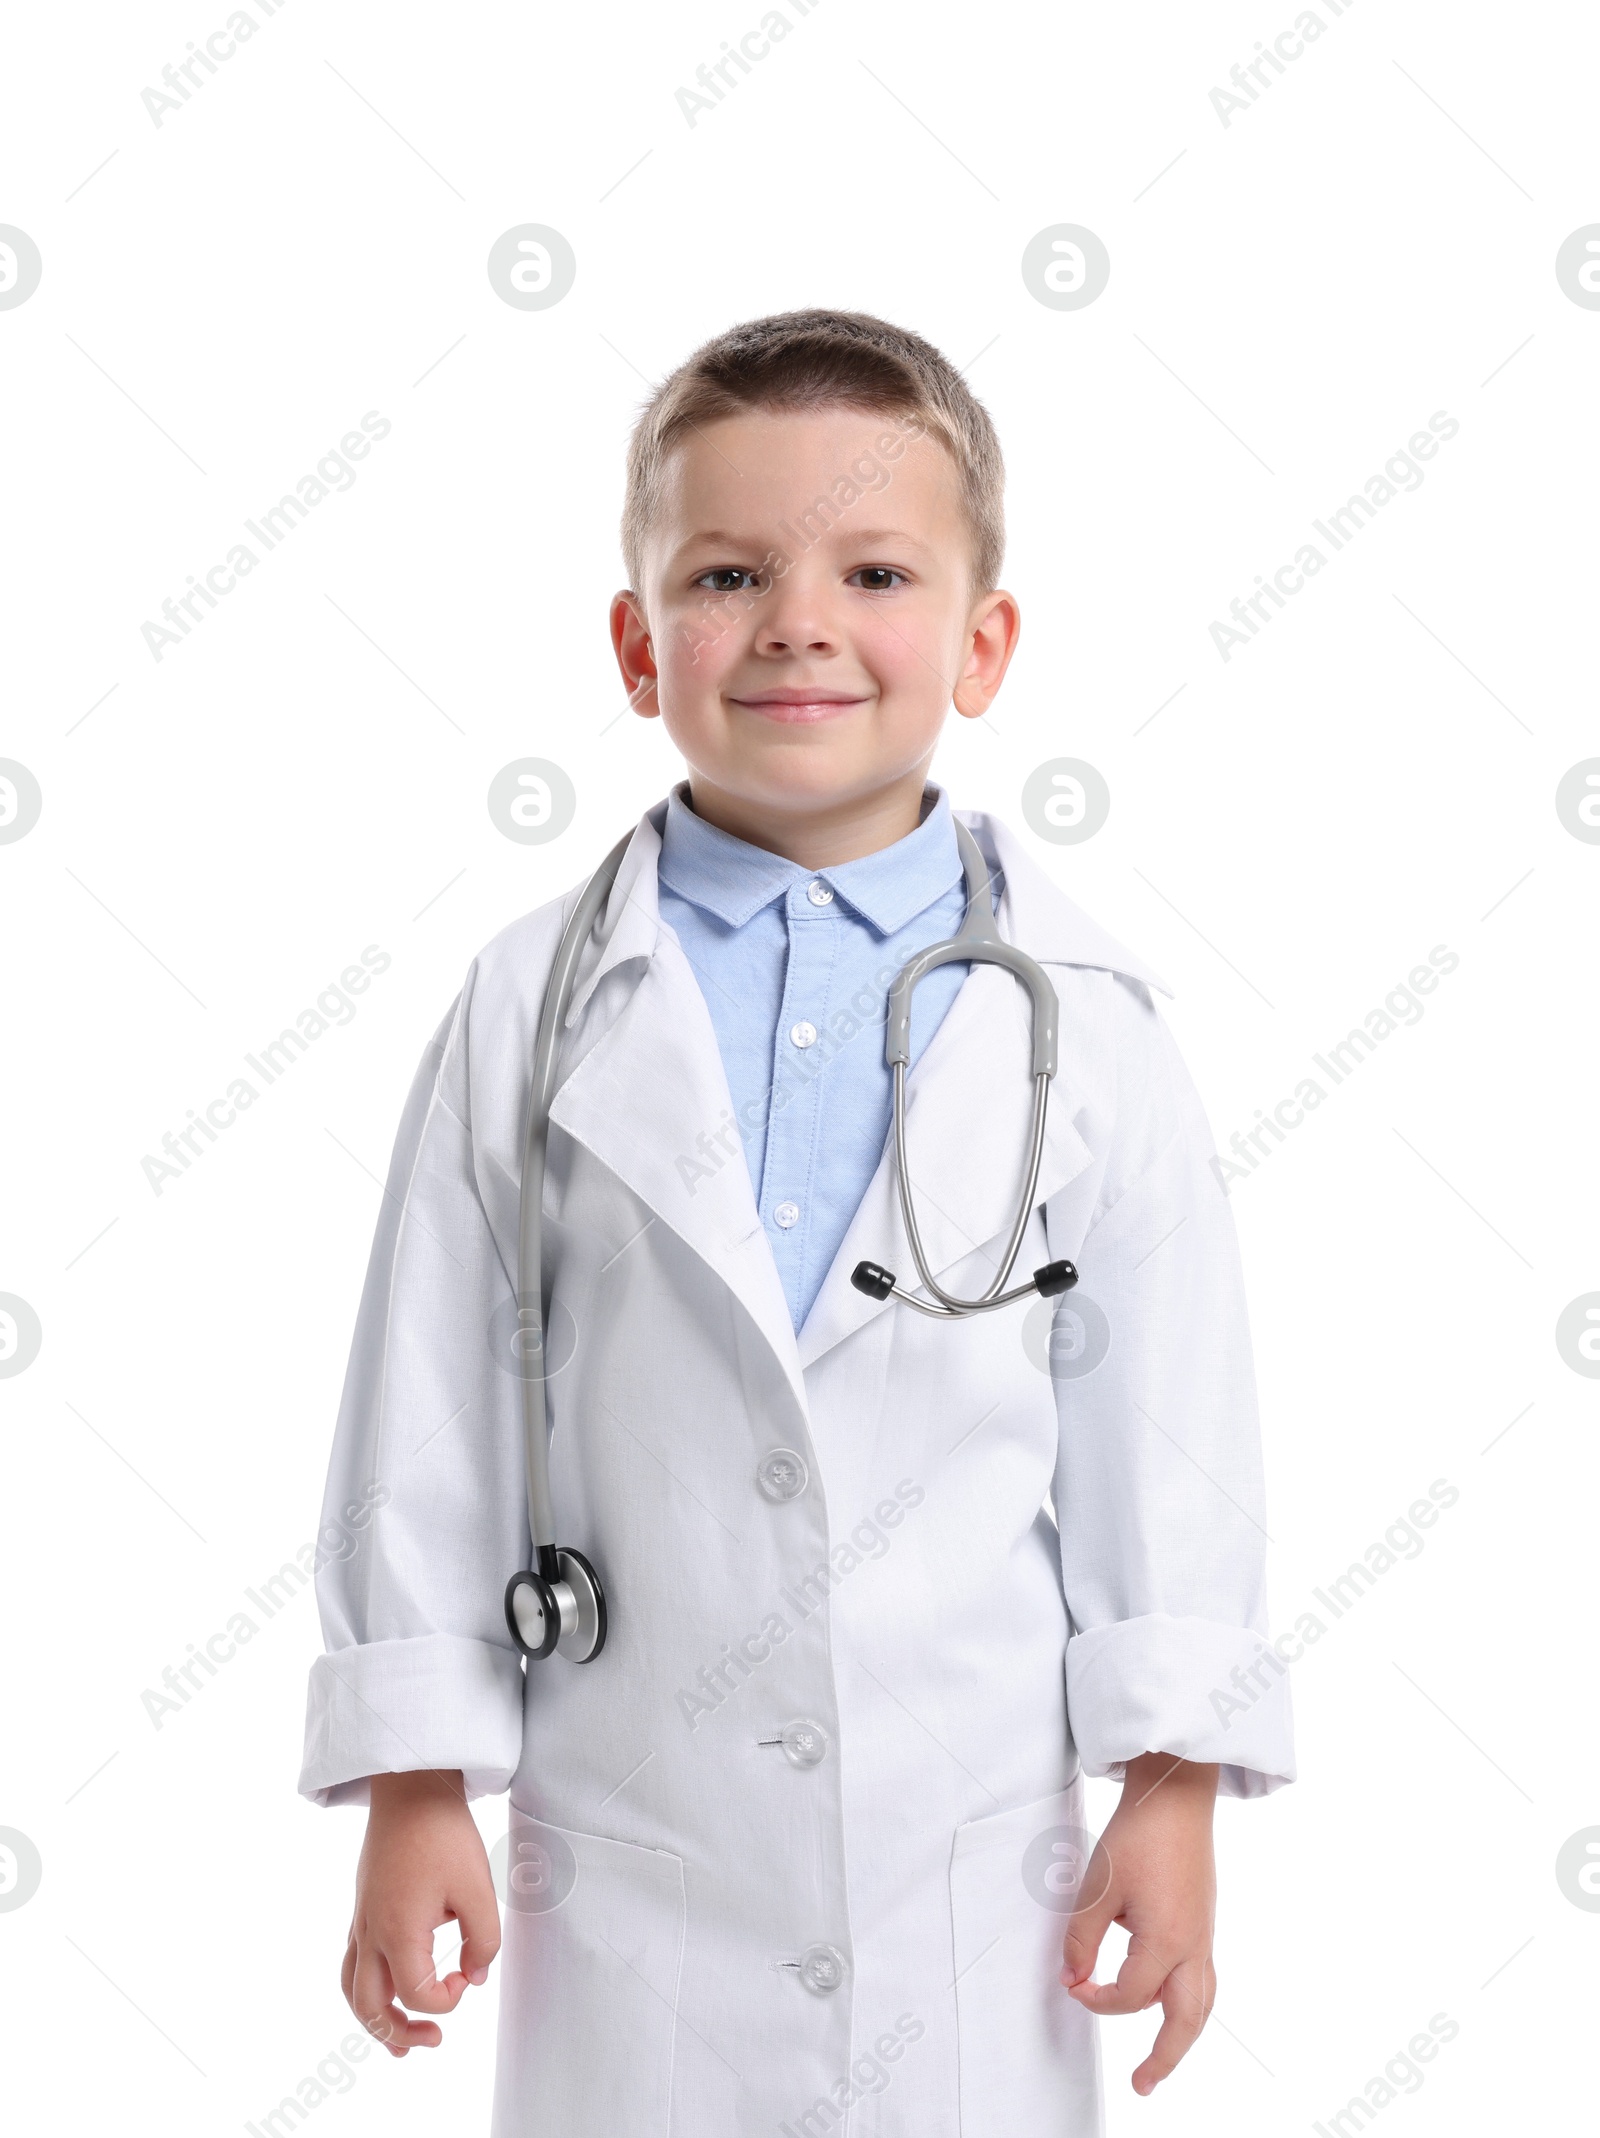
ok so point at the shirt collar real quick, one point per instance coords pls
(1034, 912)
(734, 880)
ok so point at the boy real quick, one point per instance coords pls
(801, 1850)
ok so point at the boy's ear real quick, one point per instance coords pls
(630, 639)
(996, 626)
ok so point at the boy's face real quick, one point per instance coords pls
(807, 614)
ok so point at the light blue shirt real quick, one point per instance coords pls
(795, 966)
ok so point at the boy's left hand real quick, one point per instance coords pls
(1153, 1872)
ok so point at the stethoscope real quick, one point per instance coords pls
(557, 1606)
(981, 943)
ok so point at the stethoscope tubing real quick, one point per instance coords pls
(530, 1212)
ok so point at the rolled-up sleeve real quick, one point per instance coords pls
(1158, 1487)
(420, 1671)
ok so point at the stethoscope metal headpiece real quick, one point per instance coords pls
(979, 942)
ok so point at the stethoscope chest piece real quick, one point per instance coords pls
(564, 1615)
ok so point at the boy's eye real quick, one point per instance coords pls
(728, 579)
(875, 578)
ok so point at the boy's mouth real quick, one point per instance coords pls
(799, 704)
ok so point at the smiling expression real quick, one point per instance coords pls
(807, 615)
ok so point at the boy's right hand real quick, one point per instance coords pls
(422, 1864)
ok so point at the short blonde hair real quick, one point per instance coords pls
(819, 359)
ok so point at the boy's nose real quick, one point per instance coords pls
(796, 627)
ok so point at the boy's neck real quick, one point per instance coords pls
(821, 835)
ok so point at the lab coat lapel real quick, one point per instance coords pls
(651, 1101)
(969, 1108)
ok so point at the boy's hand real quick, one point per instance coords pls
(1153, 1872)
(422, 1864)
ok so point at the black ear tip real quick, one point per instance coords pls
(1054, 1278)
(870, 1278)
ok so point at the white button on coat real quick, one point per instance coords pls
(822, 1968)
(804, 1743)
(915, 1587)
(803, 1034)
(782, 1474)
(786, 1215)
(819, 893)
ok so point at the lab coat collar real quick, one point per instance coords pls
(652, 1094)
(650, 1099)
(631, 924)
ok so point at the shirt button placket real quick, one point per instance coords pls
(791, 1129)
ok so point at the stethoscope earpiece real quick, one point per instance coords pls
(1054, 1279)
(873, 1279)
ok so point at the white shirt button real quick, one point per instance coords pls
(782, 1474)
(818, 893)
(822, 1968)
(786, 1214)
(804, 1034)
(804, 1743)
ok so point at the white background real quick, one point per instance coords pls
(1291, 297)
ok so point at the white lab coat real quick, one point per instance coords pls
(960, 1659)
